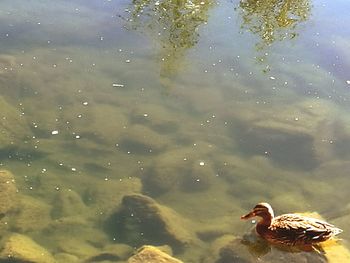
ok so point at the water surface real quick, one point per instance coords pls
(208, 107)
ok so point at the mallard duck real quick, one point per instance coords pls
(290, 229)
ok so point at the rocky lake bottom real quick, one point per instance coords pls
(148, 174)
(121, 144)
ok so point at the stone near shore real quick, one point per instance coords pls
(151, 254)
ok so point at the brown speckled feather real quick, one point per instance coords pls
(290, 229)
(296, 229)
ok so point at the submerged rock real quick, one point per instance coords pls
(102, 123)
(68, 203)
(290, 136)
(7, 63)
(29, 211)
(181, 169)
(141, 139)
(22, 249)
(167, 172)
(13, 128)
(199, 179)
(66, 258)
(76, 247)
(102, 196)
(251, 248)
(159, 118)
(114, 252)
(151, 254)
(74, 235)
(222, 250)
(8, 192)
(299, 153)
(142, 219)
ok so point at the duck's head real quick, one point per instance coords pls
(263, 210)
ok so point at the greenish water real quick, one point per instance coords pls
(207, 107)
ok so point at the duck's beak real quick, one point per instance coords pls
(249, 215)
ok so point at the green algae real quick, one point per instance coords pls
(14, 128)
(9, 192)
(19, 248)
(29, 211)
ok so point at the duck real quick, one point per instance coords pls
(290, 229)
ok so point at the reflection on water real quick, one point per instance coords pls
(101, 161)
(274, 20)
(174, 24)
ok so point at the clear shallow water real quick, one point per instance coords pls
(197, 105)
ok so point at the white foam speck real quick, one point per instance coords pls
(116, 85)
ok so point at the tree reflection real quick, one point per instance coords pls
(273, 19)
(174, 23)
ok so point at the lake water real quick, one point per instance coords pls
(206, 107)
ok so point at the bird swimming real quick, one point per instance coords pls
(290, 229)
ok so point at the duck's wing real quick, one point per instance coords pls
(294, 229)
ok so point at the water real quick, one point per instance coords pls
(207, 107)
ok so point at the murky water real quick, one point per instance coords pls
(207, 107)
